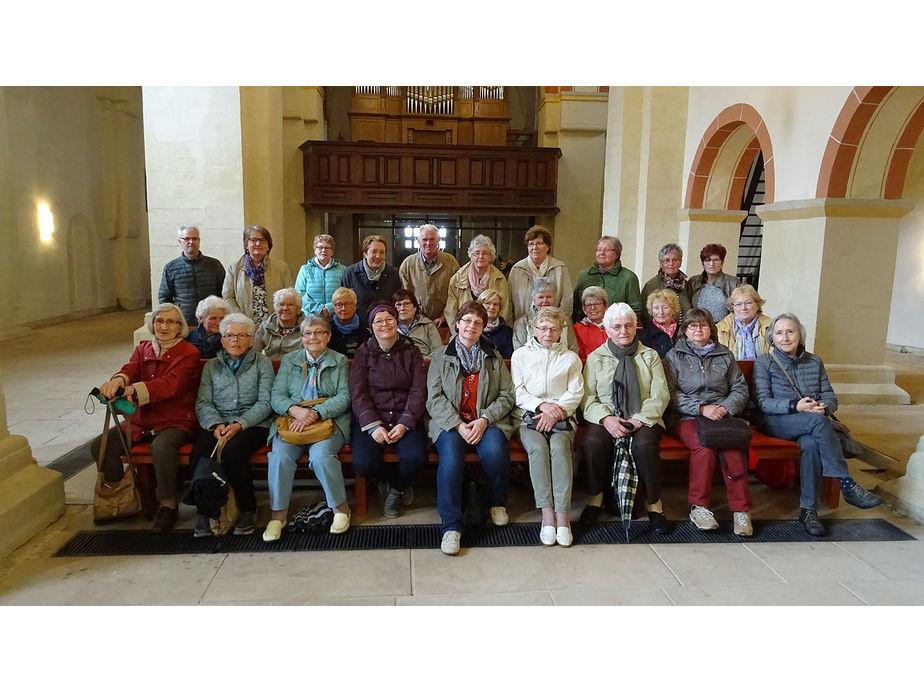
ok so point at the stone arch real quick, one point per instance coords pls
(725, 155)
(871, 143)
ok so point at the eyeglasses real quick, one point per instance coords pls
(480, 253)
(189, 239)
(712, 259)
(546, 328)
(535, 244)
(605, 249)
(164, 321)
(743, 304)
(257, 241)
(323, 247)
(342, 304)
(314, 333)
(593, 304)
(698, 326)
(474, 322)
(235, 336)
(404, 304)
(622, 328)
(378, 322)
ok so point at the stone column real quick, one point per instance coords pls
(575, 122)
(906, 493)
(701, 226)
(31, 496)
(832, 262)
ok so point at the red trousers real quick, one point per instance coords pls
(702, 467)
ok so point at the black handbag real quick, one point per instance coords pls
(730, 433)
(562, 426)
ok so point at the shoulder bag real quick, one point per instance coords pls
(116, 499)
(730, 433)
(319, 430)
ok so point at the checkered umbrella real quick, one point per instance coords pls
(625, 480)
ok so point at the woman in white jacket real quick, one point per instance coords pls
(549, 386)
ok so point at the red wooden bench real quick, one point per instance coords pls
(773, 460)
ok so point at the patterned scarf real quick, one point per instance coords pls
(406, 329)
(310, 390)
(256, 273)
(627, 395)
(746, 339)
(476, 285)
(669, 329)
(588, 321)
(472, 359)
(676, 283)
(493, 324)
(350, 327)
(371, 273)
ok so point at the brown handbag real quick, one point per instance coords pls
(319, 430)
(115, 499)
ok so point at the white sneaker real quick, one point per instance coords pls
(547, 535)
(563, 536)
(450, 543)
(499, 516)
(703, 518)
(743, 526)
(273, 530)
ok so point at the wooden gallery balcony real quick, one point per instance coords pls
(422, 178)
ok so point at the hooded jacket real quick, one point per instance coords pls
(598, 386)
(388, 388)
(242, 397)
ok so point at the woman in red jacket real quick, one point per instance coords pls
(388, 389)
(162, 379)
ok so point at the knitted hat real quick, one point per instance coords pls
(380, 306)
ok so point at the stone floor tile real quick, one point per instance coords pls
(340, 601)
(769, 594)
(643, 596)
(714, 564)
(897, 560)
(311, 576)
(812, 562)
(890, 592)
(526, 569)
(538, 598)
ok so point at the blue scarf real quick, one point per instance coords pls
(406, 329)
(254, 272)
(745, 336)
(349, 328)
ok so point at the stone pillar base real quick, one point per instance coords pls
(31, 496)
(861, 384)
(906, 494)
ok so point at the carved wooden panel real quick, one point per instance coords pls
(366, 176)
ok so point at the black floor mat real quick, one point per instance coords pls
(144, 543)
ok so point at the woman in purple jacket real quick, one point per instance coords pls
(388, 389)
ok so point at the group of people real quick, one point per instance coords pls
(632, 364)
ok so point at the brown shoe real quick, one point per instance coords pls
(164, 519)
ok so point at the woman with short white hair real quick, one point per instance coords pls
(207, 337)
(475, 277)
(278, 334)
(233, 406)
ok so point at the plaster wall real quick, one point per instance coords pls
(798, 120)
(906, 326)
(262, 157)
(193, 159)
(79, 150)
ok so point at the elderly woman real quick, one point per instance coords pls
(234, 405)
(704, 380)
(589, 331)
(543, 297)
(660, 332)
(797, 401)
(548, 385)
(670, 277)
(320, 277)
(469, 402)
(625, 394)
(279, 333)
(388, 389)
(347, 333)
(161, 379)
(496, 328)
(371, 278)
(536, 265)
(475, 277)
(620, 283)
(254, 276)
(711, 289)
(415, 326)
(207, 337)
(742, 330)
(311, 373)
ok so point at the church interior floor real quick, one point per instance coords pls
(48, 373)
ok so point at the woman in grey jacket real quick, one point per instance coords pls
(797, 401)
(234, 405)
(470, 396)
(704, 380)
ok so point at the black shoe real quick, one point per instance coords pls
(245, 523)
(203, 527)
(813, 526)
(859, 497)
(659, 523)
(590, 515)
(164, 519)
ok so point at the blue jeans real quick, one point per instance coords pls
(368, 462)
(821, 450)
(322, 460)
(495, 461)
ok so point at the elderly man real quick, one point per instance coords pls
(427, 274)
(620, 283)
(191, 277)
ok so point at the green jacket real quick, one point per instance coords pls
(598, 385)
(333, 383)
(620, 284)
(494, 399)
(242, 397)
